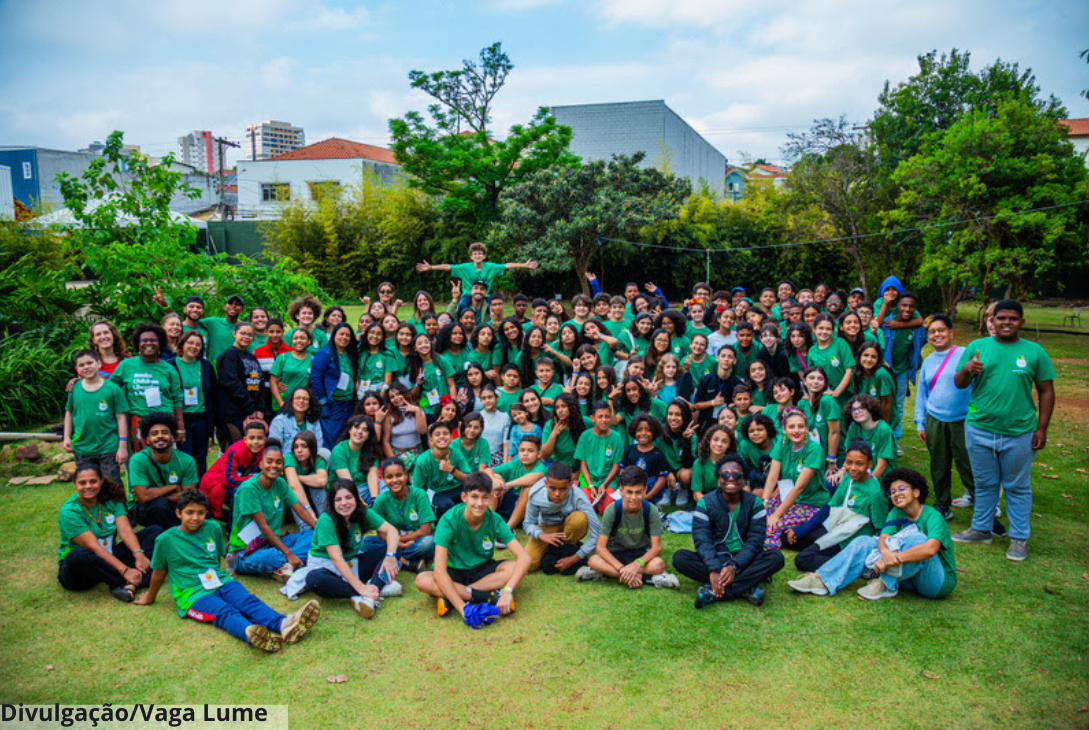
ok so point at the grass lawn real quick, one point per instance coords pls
(1009, 647)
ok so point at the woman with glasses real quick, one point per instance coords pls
(301, 412)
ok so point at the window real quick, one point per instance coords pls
(28, 173)
(324, 189)
(275, 192)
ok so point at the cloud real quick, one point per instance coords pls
(332, 19)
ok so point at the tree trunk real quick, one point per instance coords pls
(582, 265)
(852, 249)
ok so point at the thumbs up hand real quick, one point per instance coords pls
(975, 365)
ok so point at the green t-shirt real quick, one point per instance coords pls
(866, 498)
(320, 339)
(671, 448)
(752, 455)
(192, 392)
(467, 548)
(319, 463)
(144, 471)
(343, 457)
(220, 335)
(633, 533)
(551, 391)
(1002, 400)
(835, 359)
(344, 364)
(149, 387)
(698, 369)
(931, 523)
(746, 359)
(94, 417)
(514, 469)
(407, 515)
(292, 372)
(455, 362)
(486, 360)
(810, 456)
(74, 519)
(679, 346)
(880, 438)
(599, 453)
(704, 479)
(901, 343)
(186, 556)
(564, 448)
(373, 368)
(435, 374)
(817, 421)
(506, 399)
(481, 453)
(426, 474)
(657, 409)
(325, 534)
(398, 364)
(468, 273)
(879, 386)
(252, 498)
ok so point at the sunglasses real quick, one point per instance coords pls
(727, 476)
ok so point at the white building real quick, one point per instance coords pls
(1078, 134)
(198, 149)
(270, 138)
(307, 174)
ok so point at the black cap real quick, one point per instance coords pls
(858, 290)
(194, 300)
(481, 282)
(236, 296)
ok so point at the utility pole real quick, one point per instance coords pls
(220, 142)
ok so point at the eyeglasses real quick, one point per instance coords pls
(857, 408)
(900, 489)
(727, 476)
(302, 398)
(385, 291)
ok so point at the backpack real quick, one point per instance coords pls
(616, 521)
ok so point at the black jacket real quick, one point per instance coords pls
(711, 524)
(710, 386)
(240, 386)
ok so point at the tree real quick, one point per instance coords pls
(991, 173)
(836, 174)
(558, 214)
(456, 155)
(944, 90)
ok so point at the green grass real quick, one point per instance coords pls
(1009, 647)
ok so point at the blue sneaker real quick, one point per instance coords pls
(756, 595)
(704, 596)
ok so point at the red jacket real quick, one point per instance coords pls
(234, 466)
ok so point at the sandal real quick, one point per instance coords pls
(125, 593)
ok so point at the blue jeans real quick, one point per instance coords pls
(925, 578)
(268, 559)
(233, 609)
(422, 547)
(901, 393)
(334, 414)
(1001, 462)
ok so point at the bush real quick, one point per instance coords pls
(36, 270)
(34, 368)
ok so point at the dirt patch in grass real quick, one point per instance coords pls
(1072, 407)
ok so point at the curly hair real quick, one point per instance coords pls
(307, 300)
(313, 411)
(145, 327)
(108, 490)
(120, 347)
(703, 451)
(914, 479)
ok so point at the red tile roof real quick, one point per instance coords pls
(336, 148)
(1077, 127)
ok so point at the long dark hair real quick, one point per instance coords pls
(859, 373)
(395, 413)
(769, 376)
(813, 398)
(442, 341)
(505, 346)
(860, 338)
(668, 434)
(313, 411)
(703, 451)
(527, 366)
(370, 453)
(350, 351)
(358, 515)
(311, 441)
(575, 424)
(108, 490)
(624, 404)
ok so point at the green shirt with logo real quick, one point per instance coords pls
(94, 417)
(467, 548)
(252, 498)
(1002, 401)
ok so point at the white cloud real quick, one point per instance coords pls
(332, 19)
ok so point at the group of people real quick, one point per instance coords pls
(778, 415)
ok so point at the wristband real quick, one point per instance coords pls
(391, 555)
(830, 458)
(508, 589)
(122, 438)
(306, 508)
(138, 550)
(640, 561)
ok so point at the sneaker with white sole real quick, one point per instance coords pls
(363, 606)
(665, 580)
(972, 535)
(964, 500)
(263, 639)
(392, 590)
(682, 497)
(298, 623)
(875, 590)
(283, 573)
(666, 500)
(1018, 550)
(809, 583)
(588, 573)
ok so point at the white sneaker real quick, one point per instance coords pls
(899, 451)
(667, 498)
(363, 606)
(964, 500)
(665, 580)
(997, 512)
(683, 497)
(391, 590)
(588, 573)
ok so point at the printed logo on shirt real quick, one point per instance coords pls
(102, 405)
(873, 391)
(799, 469)
(835, 361)
(276, 502)
(487, 543)
(210, 545)
(609, 451)
(110, 518)
(357, 536)
(378, 364)
(1022, 362)
(413, 517)
(820, 418)
(173, 478)
(641, 463)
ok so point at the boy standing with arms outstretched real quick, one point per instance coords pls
(189, 555)
(476, 269)
(629, 547)
(466, 575)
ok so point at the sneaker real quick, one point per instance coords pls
(1018, 550)
(283, 573)
(946, 513)
(665, 580)
(998, 530)
(392, 590)
(997, 512)
(972, 535)
(682, 497)
(442, 607)
(666, 500)
(899, 451)
(588, 573)
(875, 590)
(756, 595)
(704, 596)
(964, 500)
(809, 583)
(299, 623)
(416, 565)
(364, 606)
(263, 639)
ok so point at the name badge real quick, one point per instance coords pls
(106, 542)
(191, 398)
(343, 381)
(210, 580)
(364, 386)
(249, 533)
(153, 397)
(785, 486)
(433, 397)
(354, 565)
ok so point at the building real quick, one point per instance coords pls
(268, 139)
(1078, 130)
(7, 197)
(738, 177)
(34, 185)
(197, 149)
(602, 130)
(308, 174)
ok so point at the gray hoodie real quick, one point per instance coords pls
(542, 511)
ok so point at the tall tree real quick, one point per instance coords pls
(993, 173)
(456, 154)
(557, 214)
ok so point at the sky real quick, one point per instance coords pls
(743, 74)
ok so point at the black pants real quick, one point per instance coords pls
(82, 569)
(330, 584)
(810, 557)
(766, 564)
(196, 441)
(159, 511)
(443, 501)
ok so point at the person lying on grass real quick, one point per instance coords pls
(189, 557)
(466, 575)
(914, 550)
(257, 547)
(629, 547)
(97, 543)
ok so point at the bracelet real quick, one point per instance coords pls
(391, 555)
(640, 561)
(830, 458)
(138, 550)
(508, 589)
(306, 508)
(122, 438)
